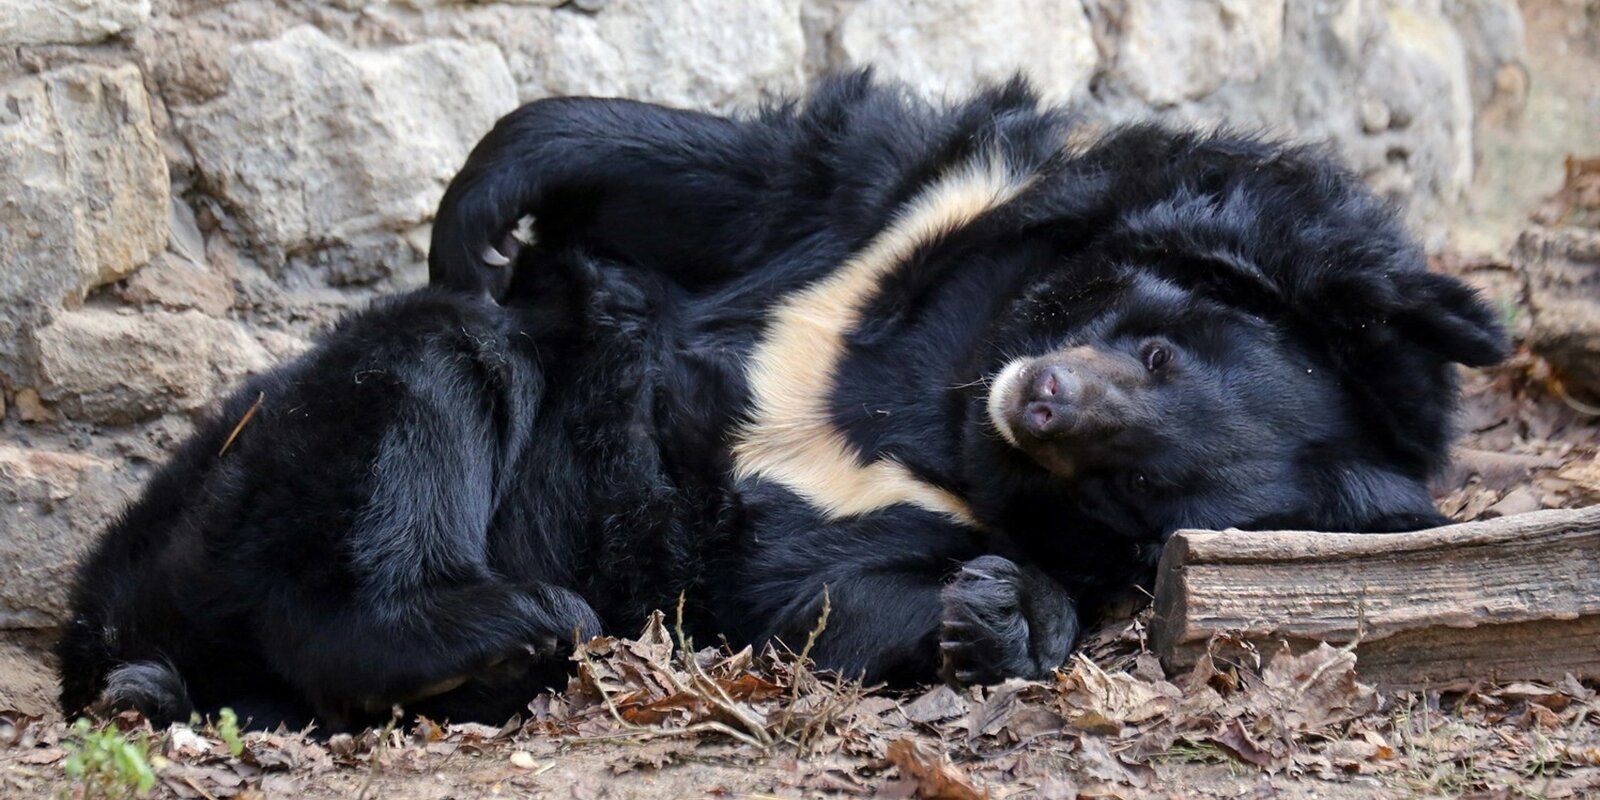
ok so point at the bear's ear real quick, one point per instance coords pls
(1424, 309)
(1447, 317)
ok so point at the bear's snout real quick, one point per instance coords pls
(1050, 403)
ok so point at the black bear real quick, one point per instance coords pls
(947, 362)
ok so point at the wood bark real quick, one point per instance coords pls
(1516, 598)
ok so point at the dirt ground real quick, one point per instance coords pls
(643, 720)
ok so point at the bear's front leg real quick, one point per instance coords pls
(882, 574)
(1001, 620)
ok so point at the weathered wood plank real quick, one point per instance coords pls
(1517, 598)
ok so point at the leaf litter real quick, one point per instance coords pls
(653, 701)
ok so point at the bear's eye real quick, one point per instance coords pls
(1155, 356)
(1138, 483)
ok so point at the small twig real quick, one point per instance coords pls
(720, 698)
(822, 625)
(717, 697)
(850, 694)
(800, 670)
(195, 786)
(383, 741)
(677, 627)
(244, 420)
(641, 733)
(1560, 390)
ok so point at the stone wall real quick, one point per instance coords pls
(191, 188)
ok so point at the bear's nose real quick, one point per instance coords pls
(1050, 403)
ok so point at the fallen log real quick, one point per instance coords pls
(1515, 598)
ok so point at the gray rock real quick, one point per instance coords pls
(282, 346)
(30, 408)
(1416, 66)
(51, 506)
(315, 143)
(1169, 51)
(184, 238)
(29, 682)
(86, 191)
(1386, 84)
(68, 21)
(108, 367)
(950, 47)
(1375, 115)
(719, 54)
(423, 4)
(1492, 32)
(176, 283)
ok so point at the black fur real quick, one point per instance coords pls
(1207, 331)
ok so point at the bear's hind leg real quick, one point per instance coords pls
(354, 661)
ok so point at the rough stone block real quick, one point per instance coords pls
(719, 54)
(51, 506)
(68, 21)
(315, 142)
(107, 367)
(86, 192)
(950, 48)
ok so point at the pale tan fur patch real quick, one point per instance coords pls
(790, 439)
(1000, 389)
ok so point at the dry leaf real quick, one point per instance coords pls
(933, 777)
(426, 731)
(751, 688)
(1539, 716)
(471, 732)
(1102, 702)
(1100, 764)
(1381, 748)
(1056, 788)
(1532, 692)
(1318, 688)
(989, 716)
(936, 705)
(15, 727)
(183, 742)
(1032, 721)
(48, 755)
(1236, 740)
